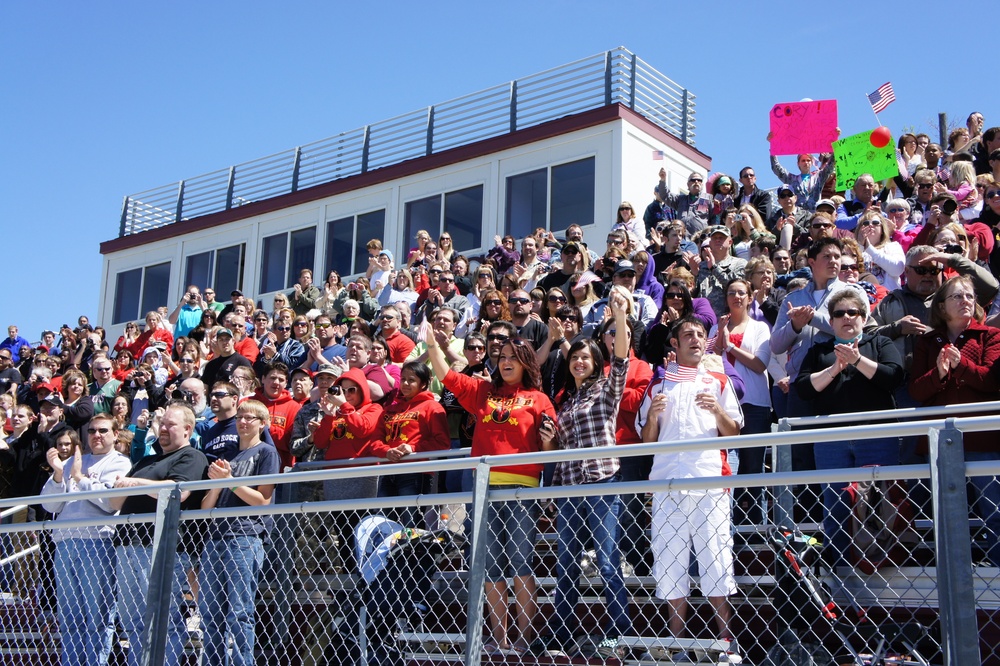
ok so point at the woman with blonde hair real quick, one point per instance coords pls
(745, 226)
(885, 256)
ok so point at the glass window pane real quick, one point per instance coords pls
(526, 197)
(463, 218)
(127, 286)
(303, 254)
(572, 195)
(272, 263)
(370, 226)
(155, 285)
(421, 214)
(228, 271)
(199, 268)
(339, 246)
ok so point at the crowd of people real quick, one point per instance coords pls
(710, 312)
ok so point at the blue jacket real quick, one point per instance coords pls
(15, 347)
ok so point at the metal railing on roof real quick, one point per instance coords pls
(614, 77)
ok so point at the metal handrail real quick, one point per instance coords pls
(613, 77)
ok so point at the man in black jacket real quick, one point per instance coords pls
(751, 194)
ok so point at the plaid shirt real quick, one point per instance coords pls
(587, 420)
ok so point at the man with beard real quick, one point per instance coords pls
(572, 262)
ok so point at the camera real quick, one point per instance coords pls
(949, 206)
(183, 396)
(334, 390)
(953, 248)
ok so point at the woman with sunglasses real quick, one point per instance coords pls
(554, 299)
(509, 409)
(446, 249)
(128, 337)
(583, 290)
(853, 372)
(588, 413)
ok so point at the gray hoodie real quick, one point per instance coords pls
(99, 473)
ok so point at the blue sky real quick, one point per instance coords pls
(103, 99)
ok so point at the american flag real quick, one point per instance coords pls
(882, 97)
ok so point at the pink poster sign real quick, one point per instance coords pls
(803, 127)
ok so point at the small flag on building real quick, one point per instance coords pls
(659, 155)
(882, 97)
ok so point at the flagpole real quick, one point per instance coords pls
(878, 123)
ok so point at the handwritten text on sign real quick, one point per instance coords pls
(803, 127)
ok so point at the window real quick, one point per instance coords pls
(220, 269)
(460, 213)
(346, 239)
(552, 198)
(140, 290)
(282, 256)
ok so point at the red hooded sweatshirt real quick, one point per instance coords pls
(353, 432)
(420, 422)
(283, 410)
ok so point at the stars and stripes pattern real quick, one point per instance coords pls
(882, 97)
(679, 373)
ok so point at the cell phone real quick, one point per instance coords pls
(548, 420)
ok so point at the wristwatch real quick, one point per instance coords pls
(730, 347)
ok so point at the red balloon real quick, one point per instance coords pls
(880, 137)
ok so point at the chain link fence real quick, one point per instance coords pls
(895, 566)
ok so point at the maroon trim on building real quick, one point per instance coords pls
(547, 130)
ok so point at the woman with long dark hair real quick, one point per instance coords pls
(509, 408)
(588, 411)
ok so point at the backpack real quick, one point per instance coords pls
(881, 524)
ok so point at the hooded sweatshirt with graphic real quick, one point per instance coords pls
(353, 432)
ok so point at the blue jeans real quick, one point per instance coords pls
(988, 504)
(747, 501)
(601, 516)
(85, 597)
(230, 573)
(836, 501)
(135, 563)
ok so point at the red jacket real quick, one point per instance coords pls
(147, 338)
(639, 375)
(354, 432)
(974, 380)
(507, 419)
(420, 422)
(283, 410)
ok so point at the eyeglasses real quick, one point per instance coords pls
(385, 317)
(848, 267)
(821, 225)
(282, 328)
(896, 210)
(568, 251)
(614, 240)
(187, 360)
(961, 296)
(695, 180)
(435, 270)
(94, 431)
(493, 301)
(850, 312)
(610, 332)
(247, 417)
(301, 323)
(785, 195)
(261, 320)
(219, 395)
(450, 280)
(925, 186)
(568, 317)
(871, 223)
(736, 293)
(749, 175)
(993, 194)
(7, 358)
(673, 295)
(782, 258)
(350, 389)
(322, 326)
(496, 337)
(518, 300)
(925, 270)
(624, 208)
(475, 348)
(625, 275)
(483, 275)
(102, 369)
(554, 298)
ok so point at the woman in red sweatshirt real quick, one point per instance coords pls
(508, 410)
(349, 429)
(415, 422)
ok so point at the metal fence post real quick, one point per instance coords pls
(956, 595)
(230, 187)
(124, 218)
(430, 130)
(607, 78)
(279, 570)
(477, 565)
(684, 116)
(513, 106)
(296, 165)
(631, 82)
(180, 202)
(366, 144)
(784, 498)
(161, 576)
